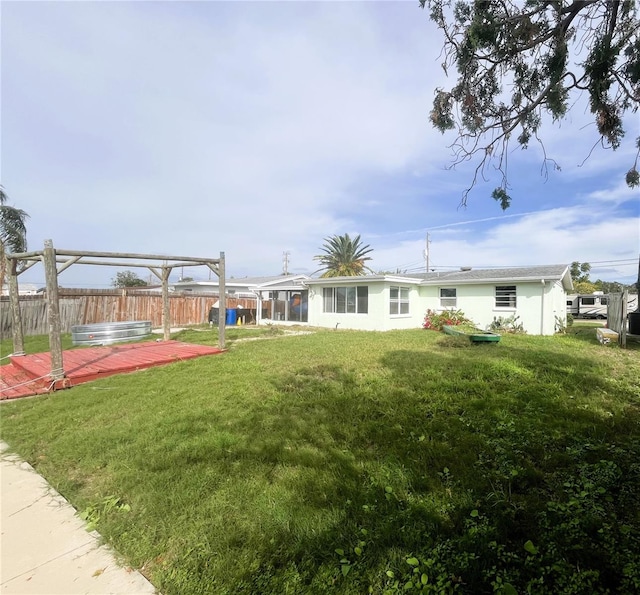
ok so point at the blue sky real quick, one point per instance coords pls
(259, 128)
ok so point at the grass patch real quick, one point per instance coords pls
(201, 334)
(355, 462)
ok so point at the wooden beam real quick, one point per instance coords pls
(27, 265)
(156, 272)
(53, 312)
(14, 299)
(68, 263)
(166, 311)
(25, 255)
(81, 258)
(134, 256)
(121, 263)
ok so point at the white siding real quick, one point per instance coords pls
(378, 317)
(478, 302)
(537, 305)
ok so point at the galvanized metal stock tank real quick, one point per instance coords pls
(105, 333)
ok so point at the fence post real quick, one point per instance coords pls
(622, 337)
(222, 301)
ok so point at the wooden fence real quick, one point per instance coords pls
(617, 315)
(86, 306)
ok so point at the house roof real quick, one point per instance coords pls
(555, 272)
(248, 282)
(415, 279)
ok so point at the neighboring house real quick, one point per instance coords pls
(23, 289)
(280, 298)
(536, 295)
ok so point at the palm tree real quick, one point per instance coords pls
(13, 232)
(343, 257)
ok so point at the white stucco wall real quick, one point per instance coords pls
(378, 317)
(537, 306)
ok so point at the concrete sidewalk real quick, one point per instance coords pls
(45, 548)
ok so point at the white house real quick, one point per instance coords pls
(536, 295)
(23, 289)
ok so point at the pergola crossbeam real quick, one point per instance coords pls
(160, 265)
(66, 264)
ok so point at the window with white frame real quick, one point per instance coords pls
(505, 296)
(345, 300)
(448, 297)
(398, 300)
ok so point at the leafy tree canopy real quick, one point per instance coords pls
(610, 286)
(585, 287)
(579, 271)
(127, 279)
(344, 257)
(519, 61)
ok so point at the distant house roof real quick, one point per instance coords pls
(23, 289)
(250, 283)
(554, 272)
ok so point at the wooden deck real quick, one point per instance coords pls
(29, 375)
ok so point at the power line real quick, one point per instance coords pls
(629, 260)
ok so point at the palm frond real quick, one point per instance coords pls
(344, 257)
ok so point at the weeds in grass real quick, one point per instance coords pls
(95, 512)
(358, 462)
(506, 324)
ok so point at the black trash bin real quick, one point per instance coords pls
(634, 323)
(214, 315)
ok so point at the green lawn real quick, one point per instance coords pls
(358, 462)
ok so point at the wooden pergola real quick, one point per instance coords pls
(56, 261)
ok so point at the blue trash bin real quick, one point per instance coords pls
(232, 316)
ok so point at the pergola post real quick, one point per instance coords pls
(166, 311)
(222, 301)
(53, 311)
(14, 300)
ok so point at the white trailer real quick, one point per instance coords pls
(594, 305)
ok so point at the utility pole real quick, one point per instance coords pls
(426, 252)
(285, 262)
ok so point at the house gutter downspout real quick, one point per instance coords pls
(542, 308)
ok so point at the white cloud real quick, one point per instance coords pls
(554, 236)
(248, 128)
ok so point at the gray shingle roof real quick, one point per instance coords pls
(531, 273)
(272, 280)
(263, 280)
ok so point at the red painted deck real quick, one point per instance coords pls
(28, 375)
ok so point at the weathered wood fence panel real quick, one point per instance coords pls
(617, 315)
(89, 306)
